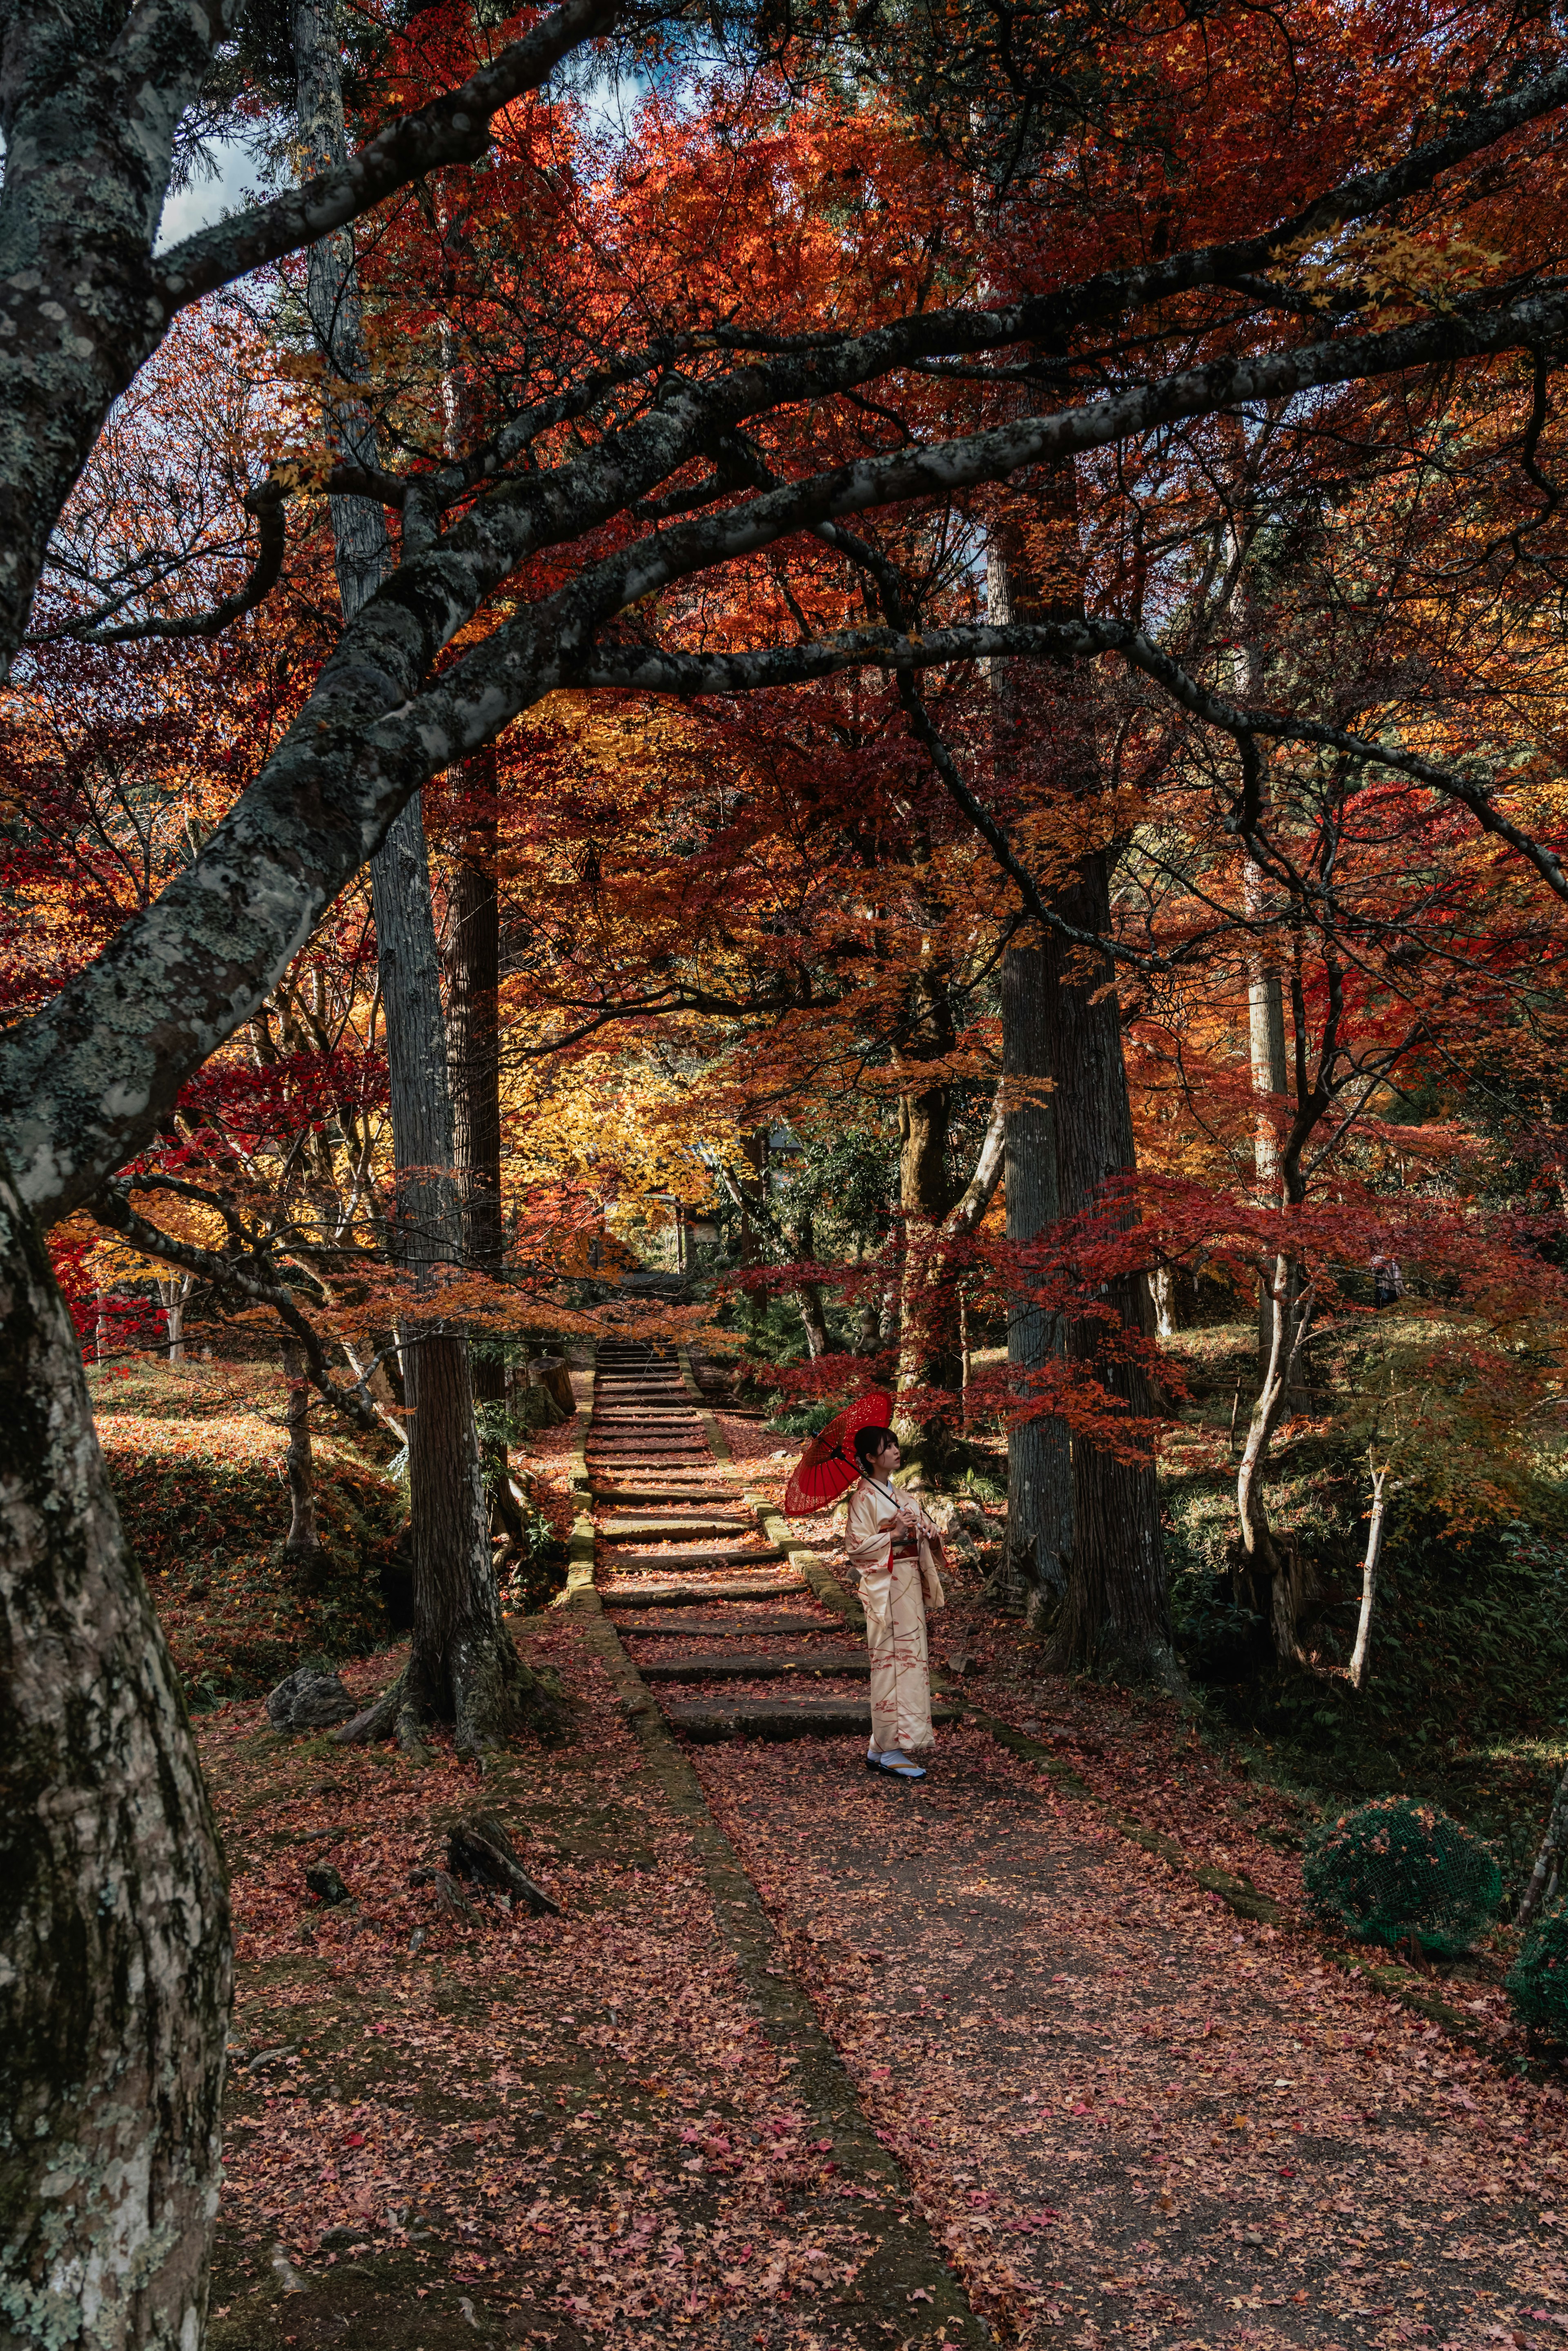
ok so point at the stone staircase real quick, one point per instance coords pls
(676, 1531)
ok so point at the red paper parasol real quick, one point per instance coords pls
(828, 1466)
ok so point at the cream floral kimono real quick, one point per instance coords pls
(897, 1579)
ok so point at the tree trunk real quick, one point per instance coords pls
(1275, 1573)
(173, 1288)
(1265, 996)
(809, 1297)
(473, 1019)
(301, 1546)
(1114, 1616)
(1548, 1869)
(1165, 1297)
(474, 1039)
(461, 1667)
(1368, 1581)
(927, 1322)
(1271, 1077)
(1033, 1574)
(114, 1994)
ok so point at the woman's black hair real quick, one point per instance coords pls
(868, 1443)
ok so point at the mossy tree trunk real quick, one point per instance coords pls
(462, 1667)
(115, 1981)
(1114, 1616)
(474, 1043)
(1115, 1612)
(1039, 1458)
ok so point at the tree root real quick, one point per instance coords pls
(486, 1694)
(1148, 1663)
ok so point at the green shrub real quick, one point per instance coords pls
(802, 1419)
(1537, 1983)
(1395, 1868)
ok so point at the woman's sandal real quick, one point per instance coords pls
(903, 1767)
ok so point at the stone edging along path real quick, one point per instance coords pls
(908, 2261)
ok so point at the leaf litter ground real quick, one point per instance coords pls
(1126, 2114)
(518, 2130)
(1135, 2116)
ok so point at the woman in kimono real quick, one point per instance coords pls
(893, 1545)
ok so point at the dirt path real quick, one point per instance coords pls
(442, 2134)
(1135, 2117)
(621, 2127)
(1122, 2113)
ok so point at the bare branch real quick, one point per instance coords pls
(112, 1210)
(729, 674)
(453, 129)
(266, 503)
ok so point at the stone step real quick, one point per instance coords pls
(644, 1562)
(696, 1595)
(780, 1717)
(722, 1666)
(631, 1525)
(640, 1463)
(661, 1628)
(650, 1452)
(651, 1497)
(651, 1424)
(624, 1437)
(694, 1481)
(643, 1466)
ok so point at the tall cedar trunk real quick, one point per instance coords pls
(301, 1546)
(1265, 996)
(1266, 1051)
(114, 1994)
(474, 1043)
(461, 1667)
(473, 1019)
(927, 1322)
(1039, 1455)
(1114, 1616)
(1039, 1546)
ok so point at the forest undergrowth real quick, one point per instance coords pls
(196, 1455)
(1462, 1704)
